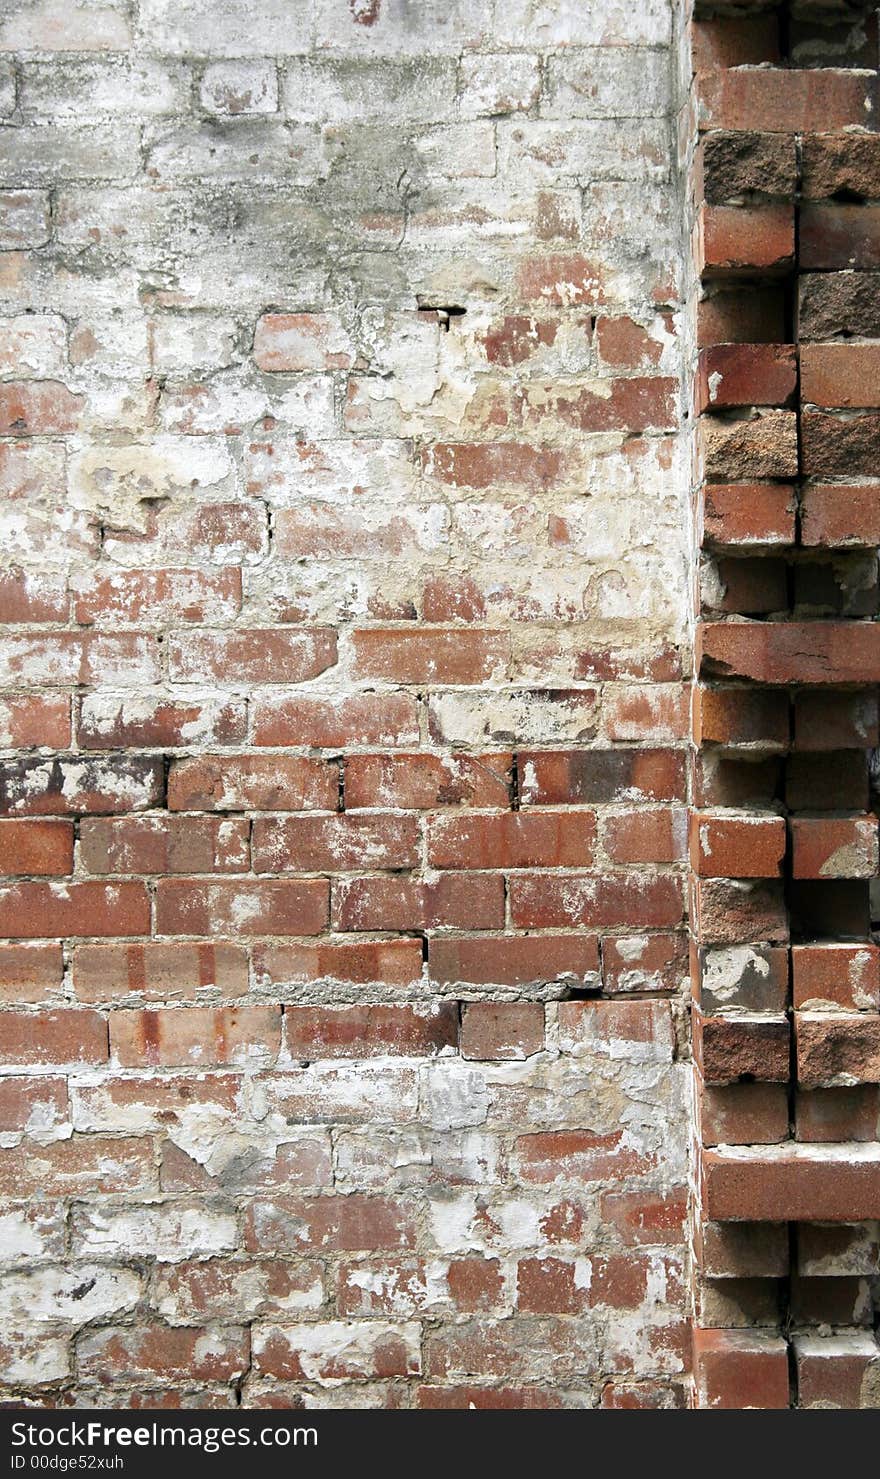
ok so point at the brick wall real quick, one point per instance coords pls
(345, 776)
(783, 841)
(350, 352)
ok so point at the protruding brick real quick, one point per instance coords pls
(738, 239)
(837, 1050)
(791, 652)
(836, 977)
(740, 1368)
(730, 375)
(837, 1371)
(730, 1048)
(834, 847)
(793, 1183)
(736, 846)
(749, 514)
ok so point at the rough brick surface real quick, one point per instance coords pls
(388, 394)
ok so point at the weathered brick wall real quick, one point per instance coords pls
(344, 725)
(783, 838)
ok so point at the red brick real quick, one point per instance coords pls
(195, 1036)
(417, 782)
(28, 720)
(159, 971)
(793, 1183)
(367, 1031)
(337, 844)
(836, 721)
(744, 846)
(515, 960)
(389, 962)
(56, 910)
(237, 1288)
(744, 1114)
(302, 341)
(578, 1155)
(836, 1371)
(479, 1399)
(476, 1283)
(393, 1287)
(605, 1026)
(186, 906)
(790, 100)
(832, 1116)
(36, 847)
(452, 900)
(156, 1102)
(645, 712)
(837, 1049)
(740, 716)
(840, 444)
(833, 237)
(647, 1217)
(502, 1030)
(746, 375)
(837, 163)
(656, 836)
(749, 513)
(512, 840)
(266, 656)
(253, 783)
(83, 1166)
(635, 404)
(30, 972)
(730, 165)
(624, 344)
(564, 280)
(71, 1035)
(518, 337)
(67, 784)
(59, 659)
(114, 1354)
(571, 777)
(740, 1369)
(644, 963)
(289, 1352)
(33, 596)
(839, 847)
(33, 1103)
(356, 719)
(840, 374)
(154, 597)
(160, 720)
(538, 901)
(738, 239)
(730, 1048)
(739, 911)
(38, 408)
(836, 975)
(484, 465)
(550, 1286)
(328, 1224)
(791, 652)
(436, 655)
(763, 445)
(165, 844)
(647, 1396)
